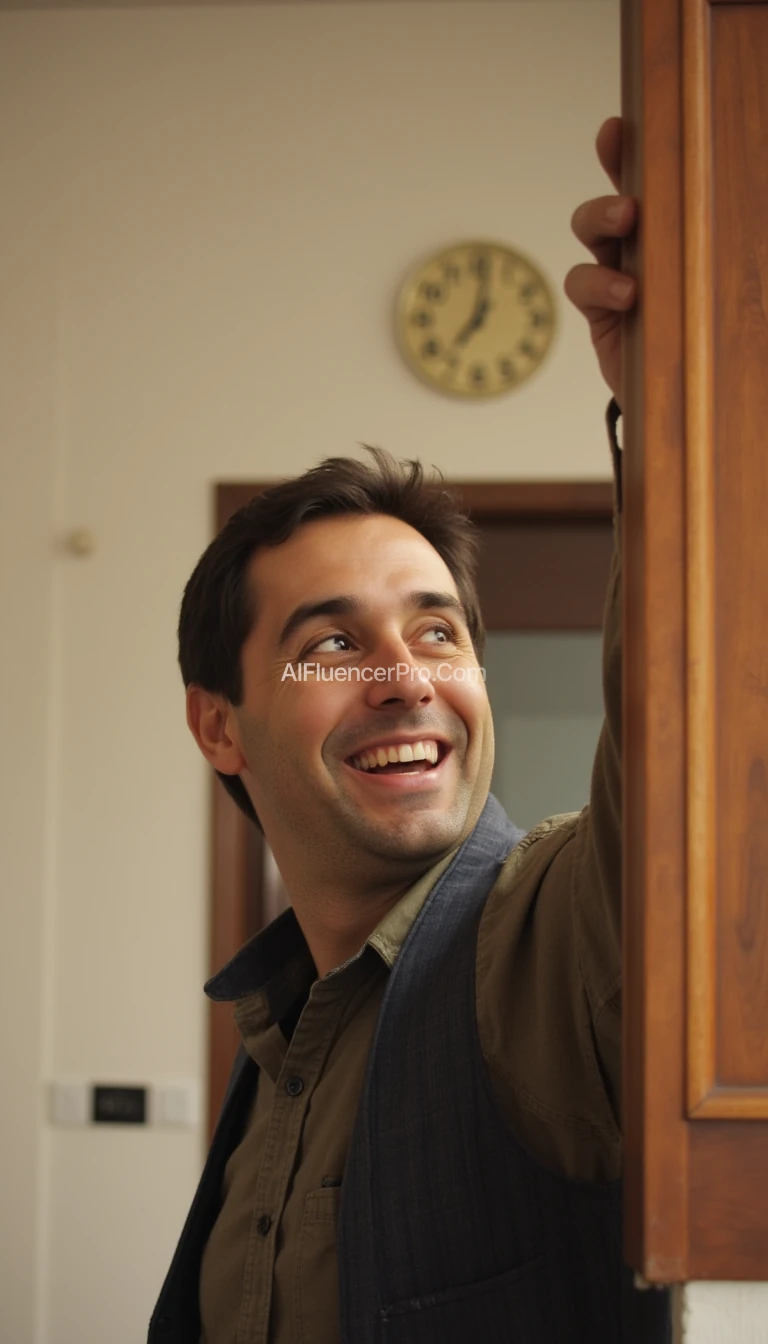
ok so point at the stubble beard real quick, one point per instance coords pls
(340, 836)
(414, 832)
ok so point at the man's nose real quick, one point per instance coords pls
(397, 679)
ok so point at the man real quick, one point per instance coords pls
(421, 1137)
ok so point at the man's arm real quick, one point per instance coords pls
(596, 869)
(603, 294)
(549, 948)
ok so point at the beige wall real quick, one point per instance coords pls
(207, 214)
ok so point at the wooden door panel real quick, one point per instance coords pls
(696, 720)
(737, 1072)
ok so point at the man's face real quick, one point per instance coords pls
(370, 603)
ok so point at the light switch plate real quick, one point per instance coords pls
(69, 1103)
(171, 1105)
(176, 1105)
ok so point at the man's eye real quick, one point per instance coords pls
(439, 634)
(331, 644)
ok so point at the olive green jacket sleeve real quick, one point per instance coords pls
(549, 956)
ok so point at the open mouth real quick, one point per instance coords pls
(400, 758)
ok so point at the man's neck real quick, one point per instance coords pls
(340, 898)
(337, 926)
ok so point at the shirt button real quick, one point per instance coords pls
(264, 1224)
(294, 1086)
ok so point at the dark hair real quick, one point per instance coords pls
(217, 610)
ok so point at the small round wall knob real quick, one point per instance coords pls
(81, 542)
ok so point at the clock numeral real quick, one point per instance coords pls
(507, 370)
(430, 348)
(526, 348)
(422, 318)
(527, 291)
(509, 273)
(480, 265)
(540, 319)
(477, 375)
(433, 292)
(451, 273)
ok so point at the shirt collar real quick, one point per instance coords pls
(390, 934)
(278, 961)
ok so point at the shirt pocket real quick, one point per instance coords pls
(316, 1292)
(506, 1308)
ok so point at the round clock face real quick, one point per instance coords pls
(476, 319)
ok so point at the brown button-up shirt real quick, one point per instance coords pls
(548, 1007)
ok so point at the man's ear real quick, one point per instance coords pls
(212, 724)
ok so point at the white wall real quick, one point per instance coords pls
(207, 213)
(28, 694)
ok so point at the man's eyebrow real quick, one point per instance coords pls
(429, 601)
(327, 606)
(350, 606)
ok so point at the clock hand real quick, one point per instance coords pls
(482, 305)
(475, 322)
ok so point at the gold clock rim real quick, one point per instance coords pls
(407, 286)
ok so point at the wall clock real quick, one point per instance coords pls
(475, 319)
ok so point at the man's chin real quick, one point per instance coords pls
(424, 835)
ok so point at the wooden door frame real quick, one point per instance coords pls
(535, 517)
(695, 481)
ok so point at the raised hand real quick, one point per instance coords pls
(599, 289)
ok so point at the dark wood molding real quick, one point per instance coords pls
(536, 501)
(530, 501)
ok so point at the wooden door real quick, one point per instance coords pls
(695, 102)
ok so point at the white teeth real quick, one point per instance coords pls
(403, 751)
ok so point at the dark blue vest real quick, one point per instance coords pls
(449, 1233)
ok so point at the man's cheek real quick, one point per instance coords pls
(469, 701)
(313, 709)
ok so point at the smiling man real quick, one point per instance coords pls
(365, 610)
(421, 1139)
